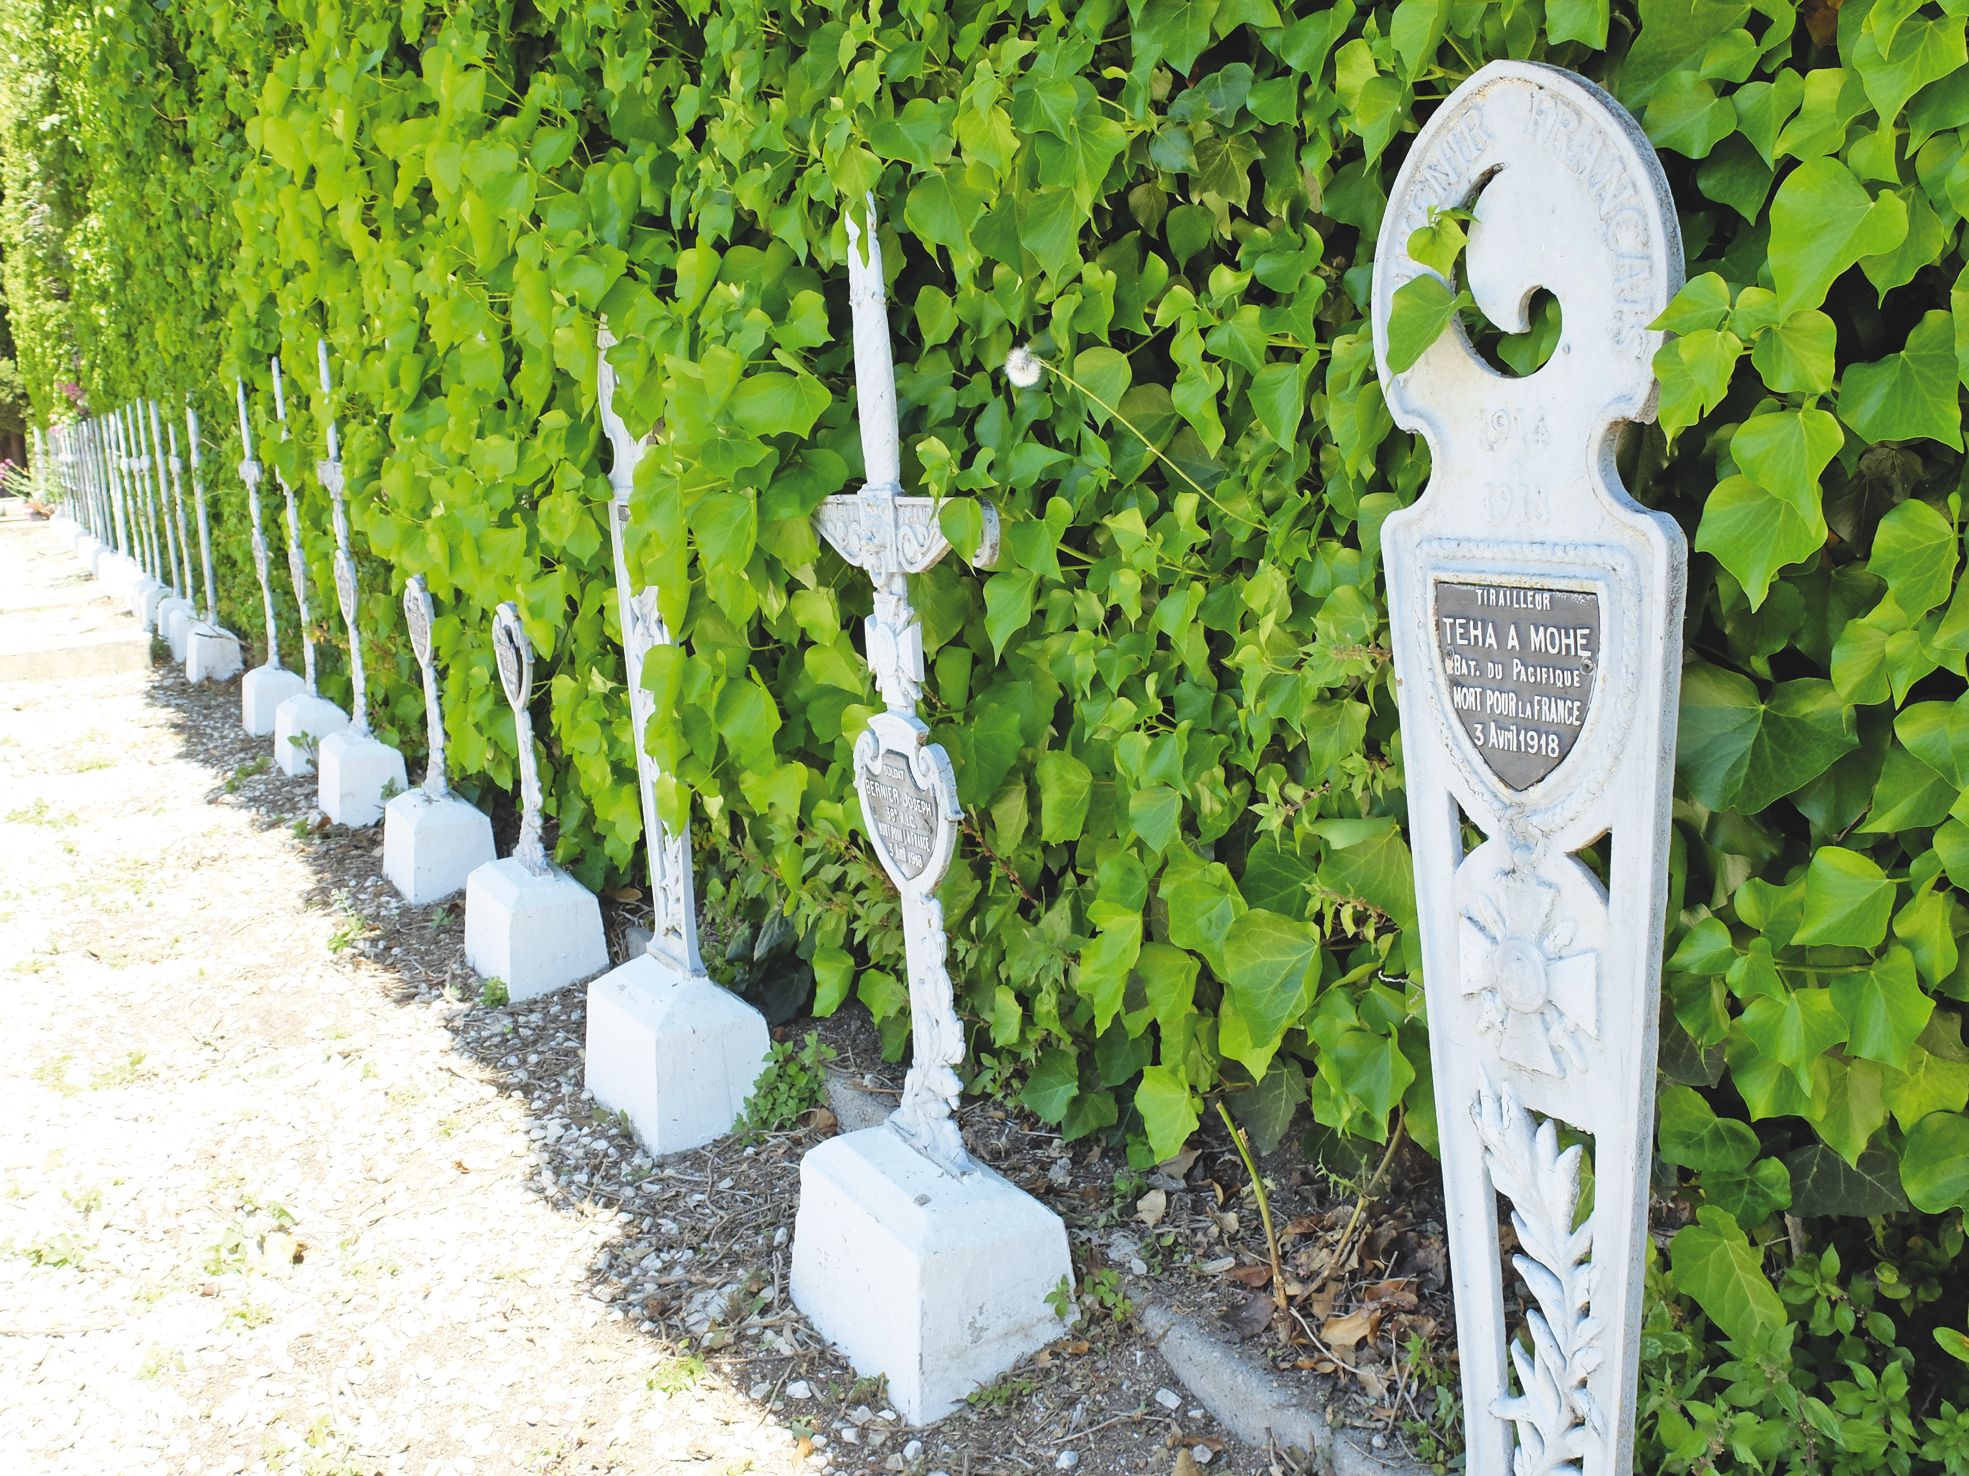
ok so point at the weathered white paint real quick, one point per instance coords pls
(527, 921)
(936, 1281)
(432, 840)
(359, 773)
(1542, 985)
(299, 724)
(267, 685)
(261, 693)
(538, 931)
(665, 1044)
(433, 844)
(356, 775)
(920, 1264)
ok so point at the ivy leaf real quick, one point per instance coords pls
(773, 403)
(1824, 1183)
(1439, 244)
(1713, 1262)
(1786, 451)
(1267, 1109)
(1848, 900)
(1911, 394)
(1422, 308)
(1795, 357)
(1176, 31)
(1051, 1087)
(1271, 964)
(1915, 550)
(1692, 1135)
(1065, 784)
(1169, 1110)
(1739, 752)
(1935, 1163)
(1702, 303)
(1822, 222)
(1754, 533)
(726, 525)
(1794, 1028)
(1695, 372)
(1884, 1008)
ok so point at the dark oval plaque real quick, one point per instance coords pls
(1518, 663)
(903, 812)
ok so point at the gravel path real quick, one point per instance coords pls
(255, 1213)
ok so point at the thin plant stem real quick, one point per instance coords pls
(1264, 1204)
(1153, 449)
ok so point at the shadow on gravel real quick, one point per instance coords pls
(699, 1251)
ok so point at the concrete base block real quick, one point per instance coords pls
(299, 718)
(937, 1282)
(145, 596)
(261, 691)
(212, 654)
(679, 1055)
(538, 933)
(175, 618)
(432, 846)
(358, 775)
(101, 562)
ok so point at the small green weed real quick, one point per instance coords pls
(160, 1361)
(250, 1314)
(41, 813)
(1004, 1392)
(242, 772)
(677, 1375)
(494, 995)
(127, 1072)
(793, 1084)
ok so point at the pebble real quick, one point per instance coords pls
(799, 1389)
(1068, 1459)
(1202, 1454)
(1168, 1399)
(912, 1452)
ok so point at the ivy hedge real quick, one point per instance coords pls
(1183, 869)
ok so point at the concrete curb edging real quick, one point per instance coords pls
(1249, 1401)
(1243, 1395)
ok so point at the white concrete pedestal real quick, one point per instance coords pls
(432, 846)
(211, 654)
(299, 717)
(679, 1055)
(938, 1283)
(175, 618)
(358, 776)
(537, 933)
(145, 596)
(261, 691)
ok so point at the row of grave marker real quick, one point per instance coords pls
(1536, 663)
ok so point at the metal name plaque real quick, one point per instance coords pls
(1520, 662)
(903, 812)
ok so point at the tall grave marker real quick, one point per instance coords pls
(665, 1044)
(919, 1263)
(1537, 616)
(357, 772)
(263, 689)
(527, 921)
(432, 839)
(178, 613)
(213, 654)
(303, 720)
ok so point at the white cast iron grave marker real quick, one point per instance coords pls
(665, 1044)
(917, 1262)
(213, 654)
(149, 591)
(266, 686)
(303, 720)
(432, 839)
(179, 613)
(528, 922)
(357, 772)
(1537, 613)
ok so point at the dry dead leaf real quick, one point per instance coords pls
(1185, 1465)
(822, 1120)
(1255, 1277)
(1349, 1328)
(1151, 1207)
(1179, 1166)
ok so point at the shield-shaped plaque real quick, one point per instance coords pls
(908, 799)
(417, 616)
(1518, 664)
(514, 653)
(345, 584)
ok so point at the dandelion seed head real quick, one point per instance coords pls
(1022, 367)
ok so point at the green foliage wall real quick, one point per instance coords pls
(1183, 868)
